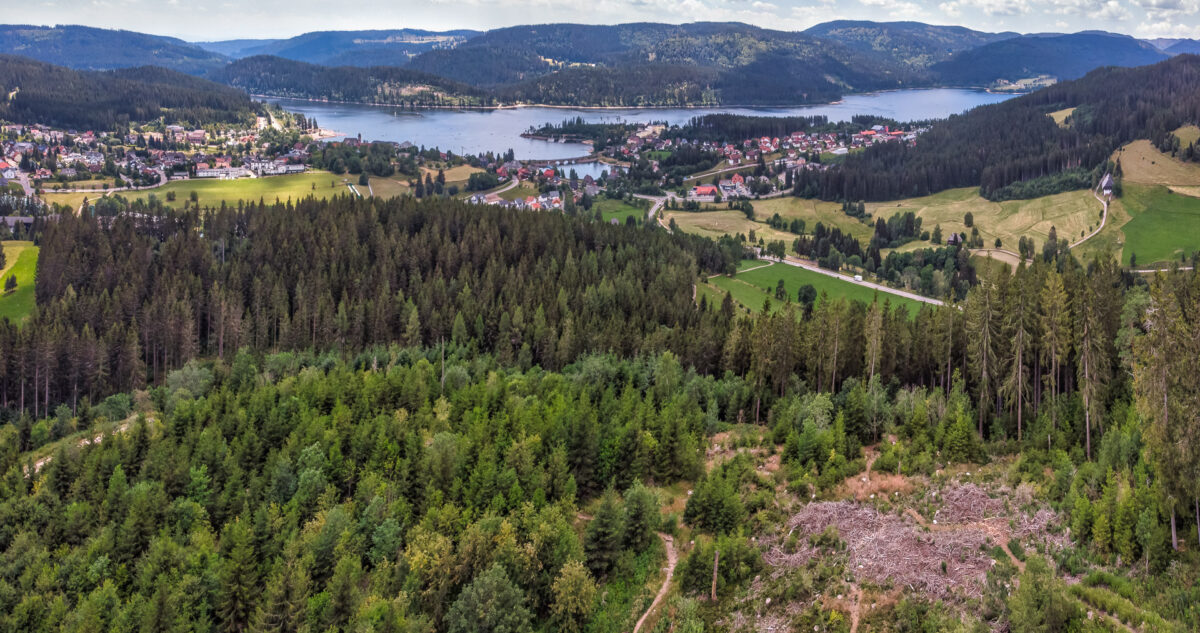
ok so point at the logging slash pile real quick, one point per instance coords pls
(886, 549)
(946, 560)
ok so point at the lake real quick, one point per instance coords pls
(500, 130)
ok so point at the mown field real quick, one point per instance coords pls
(617, 210)
(811, 211)
(1142, 163)
(756, 281)
(714, 224)
(1071, 214)
(1163, 225)
(212, 192)
(20, 261)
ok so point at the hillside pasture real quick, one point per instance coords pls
(714, 224)
(21, 261)
(1187, 135)
(1070, 213)
(811, 211)
(1142, 163)
(757, 280)
(1060, 116)
(1163, 225)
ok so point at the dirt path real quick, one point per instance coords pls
(856, 613)
(95, 439)
(672, 558)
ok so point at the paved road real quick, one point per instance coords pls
(799, 263)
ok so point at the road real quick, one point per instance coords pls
(799, 263)
(1103, 219)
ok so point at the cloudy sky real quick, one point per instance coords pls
(222, 19)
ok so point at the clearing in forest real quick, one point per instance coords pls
(21, 262)
(212, 192)
(714, 224)
(1060, 116)
(1071, 214)
(757, 283)
(1142, 163)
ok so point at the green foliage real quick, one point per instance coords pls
(1041, 603)
(604, 535)
(574, 595)
(490, 604)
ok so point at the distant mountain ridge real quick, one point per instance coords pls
(346, 48)
(87, 48)
(636, 64)
(1063, 56)
(914, 44)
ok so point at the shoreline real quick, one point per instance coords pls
(517, 106)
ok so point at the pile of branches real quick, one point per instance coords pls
(886, 549)
(966, 503)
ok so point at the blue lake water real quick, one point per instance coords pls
(500, 130)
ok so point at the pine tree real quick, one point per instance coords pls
(641, 517)
(1055, 326)
(239, 579)
(604, 535)
(490, 604)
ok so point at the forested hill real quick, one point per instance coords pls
(86, 48)
(741, 63)
(275, 76)
(1062, 56)
(345, 48)
(1013, 148)
(44, 93)
(913, 44)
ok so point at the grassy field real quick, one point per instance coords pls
(1143, 164)
(1187, 135)
(1163, 225)
(616, 209)
(523, 190)
(1070, 213)
(21, 261)
(811, 211)
(388, 187)
(714, 224)
(214, 192)
(1060, 116)
(757, 282)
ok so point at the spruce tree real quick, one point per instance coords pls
(604, 535)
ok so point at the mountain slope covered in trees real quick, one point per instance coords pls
(913, 44)
(1062, 56)
(996, 146)
(44, 93)
(734, 57)
(345, 48)
(87, 48)
(280, 77)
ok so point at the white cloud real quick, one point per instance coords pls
(993, 8)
